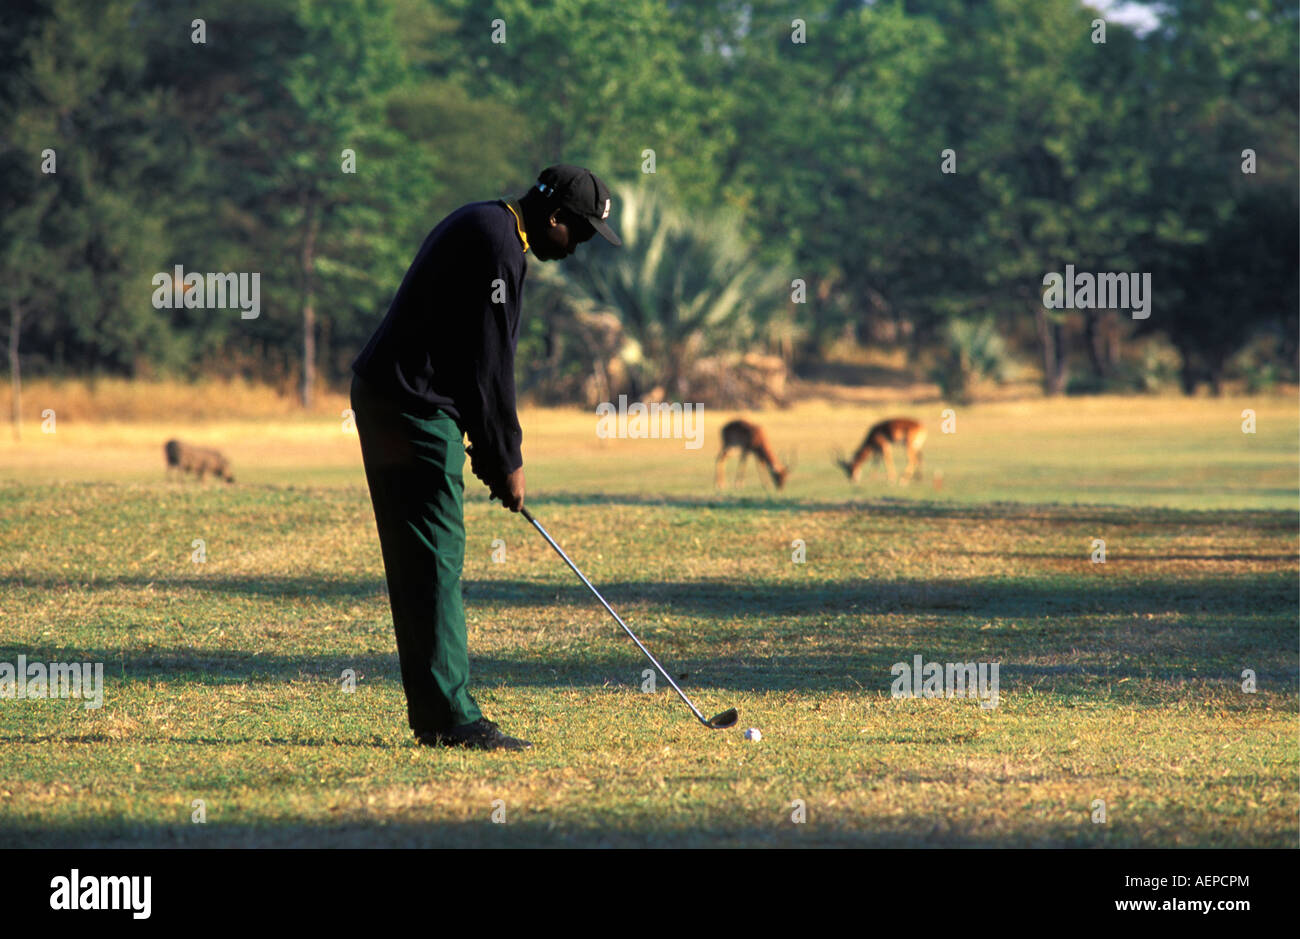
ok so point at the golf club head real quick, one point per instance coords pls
(724, 720)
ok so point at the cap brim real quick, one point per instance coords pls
(605, 231)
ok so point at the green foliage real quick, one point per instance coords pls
(820, 153)
(595, 85)
(682, 287)
(1258, 366)
(1122, 156)
(1222, 243)
(1155, 369)
(972, 350)
(81, 243)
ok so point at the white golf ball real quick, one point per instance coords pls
(753, 734)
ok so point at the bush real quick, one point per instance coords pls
(687, 295)
(970, 350)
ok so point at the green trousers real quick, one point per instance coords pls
(414, 470)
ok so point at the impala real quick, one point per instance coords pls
(748, 438)
(877, 444)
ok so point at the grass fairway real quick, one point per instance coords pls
(1120, 681)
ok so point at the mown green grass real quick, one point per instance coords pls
(1119, 681)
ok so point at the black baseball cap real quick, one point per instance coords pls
(582, 192)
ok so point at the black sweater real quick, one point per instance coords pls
(448, 340)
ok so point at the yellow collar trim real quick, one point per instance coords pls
(519, 226)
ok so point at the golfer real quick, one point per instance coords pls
(440, 366)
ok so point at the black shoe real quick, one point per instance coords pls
(481, 734)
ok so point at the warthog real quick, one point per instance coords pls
(199, 460)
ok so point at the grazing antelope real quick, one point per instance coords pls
(198, 460)
(877, 444)
(748, 438)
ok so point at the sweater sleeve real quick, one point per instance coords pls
(489, 413)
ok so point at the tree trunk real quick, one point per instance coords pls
(1187, 373)
(15, 378)
(1094, 336)
(1051, 338)
(1218, 366)
(1101, 330)
(1110, 342)
(326, 370)
(308, 308)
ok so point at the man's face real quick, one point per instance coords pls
(563, 232)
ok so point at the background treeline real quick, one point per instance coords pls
(773, 161)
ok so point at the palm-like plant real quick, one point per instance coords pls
(683, 287)
(971, 350)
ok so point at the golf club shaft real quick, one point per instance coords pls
(619, 619)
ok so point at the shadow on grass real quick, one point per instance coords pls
(648, 832)
(1032, 595)
(1115, 557)
(271, 586)
(1051, 633)
(885, 506)
(1207, 659)
(643, 830)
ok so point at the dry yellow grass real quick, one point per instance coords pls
(114, 400)
(1135, 450)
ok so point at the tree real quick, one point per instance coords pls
(84, 153)
(817, 153)
(1222, 245)
(308, 82)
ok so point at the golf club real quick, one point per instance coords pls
(721, 721)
